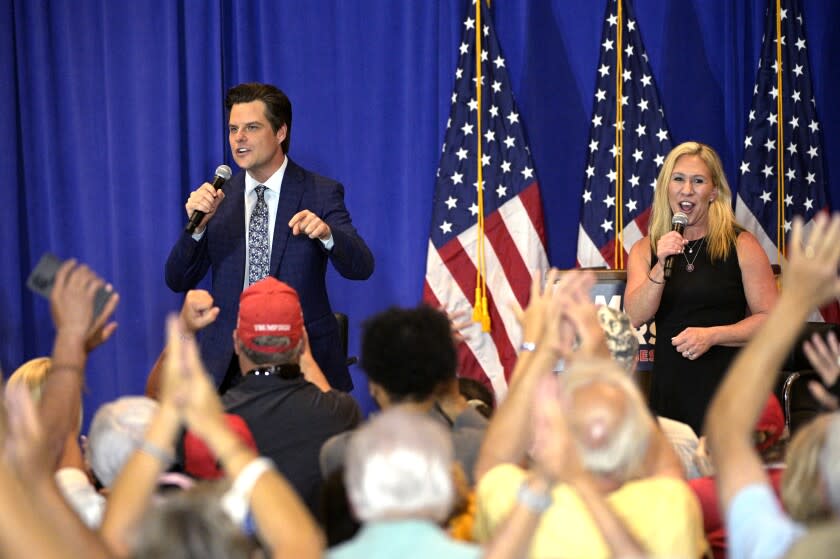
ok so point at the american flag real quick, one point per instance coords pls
(514, 243)
(770, 194)
(645, 137)
(762, 200)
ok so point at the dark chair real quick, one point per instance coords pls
(343, 335)
(800, 407)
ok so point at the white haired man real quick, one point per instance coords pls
(626, 463)
(399, 483)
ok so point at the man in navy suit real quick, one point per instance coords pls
(306, 214)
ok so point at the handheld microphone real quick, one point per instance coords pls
(223, 173)
(678, 223)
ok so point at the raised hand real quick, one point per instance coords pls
(812, 265)
(72, 297)
(824, 356)
(185, 382)
(533, 318)
(198, 311)
(580, 331)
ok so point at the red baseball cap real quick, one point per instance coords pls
(199, 460)
(269, 308)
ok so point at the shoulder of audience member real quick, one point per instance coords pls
(470, 418)
(333, 451)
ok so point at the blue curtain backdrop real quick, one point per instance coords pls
(112, 114)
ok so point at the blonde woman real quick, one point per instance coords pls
(720, 290)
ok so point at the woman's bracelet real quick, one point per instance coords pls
(250, 474)
(654, 281)
(535, 501)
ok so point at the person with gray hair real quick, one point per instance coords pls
(398, 474)
(116, 430)
(609, 420)
(628, 495)
(114, 434)
(755, 523)
(399, 480)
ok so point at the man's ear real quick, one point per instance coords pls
(281, 134)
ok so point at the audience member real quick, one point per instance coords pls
(625, 462)
(72, 473)
(768, 442)
(399, 481)
(31, 374)
(289, 415)
(410, 361)
(114, 433)
(755, 523)
(38, 521)
(37, 442)
(188, 397)
(802, 485)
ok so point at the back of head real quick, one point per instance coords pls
(269, 328)
(191, 524)
(409, 352)
(278, 108)
(830, 462)
(115, 432)
(620, 336)
(801, 487)
(399, 466)
(33, 373)
(608, 418)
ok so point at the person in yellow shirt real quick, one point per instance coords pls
(628, 486)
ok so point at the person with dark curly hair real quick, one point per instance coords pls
(410, 360)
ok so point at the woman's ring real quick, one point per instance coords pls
(810, 253)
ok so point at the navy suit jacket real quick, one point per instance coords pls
(296, 260)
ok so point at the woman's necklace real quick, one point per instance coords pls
(689, 264)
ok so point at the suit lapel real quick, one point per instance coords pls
(235, 195)
(291, 193)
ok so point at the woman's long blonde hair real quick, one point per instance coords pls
(723, 229)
